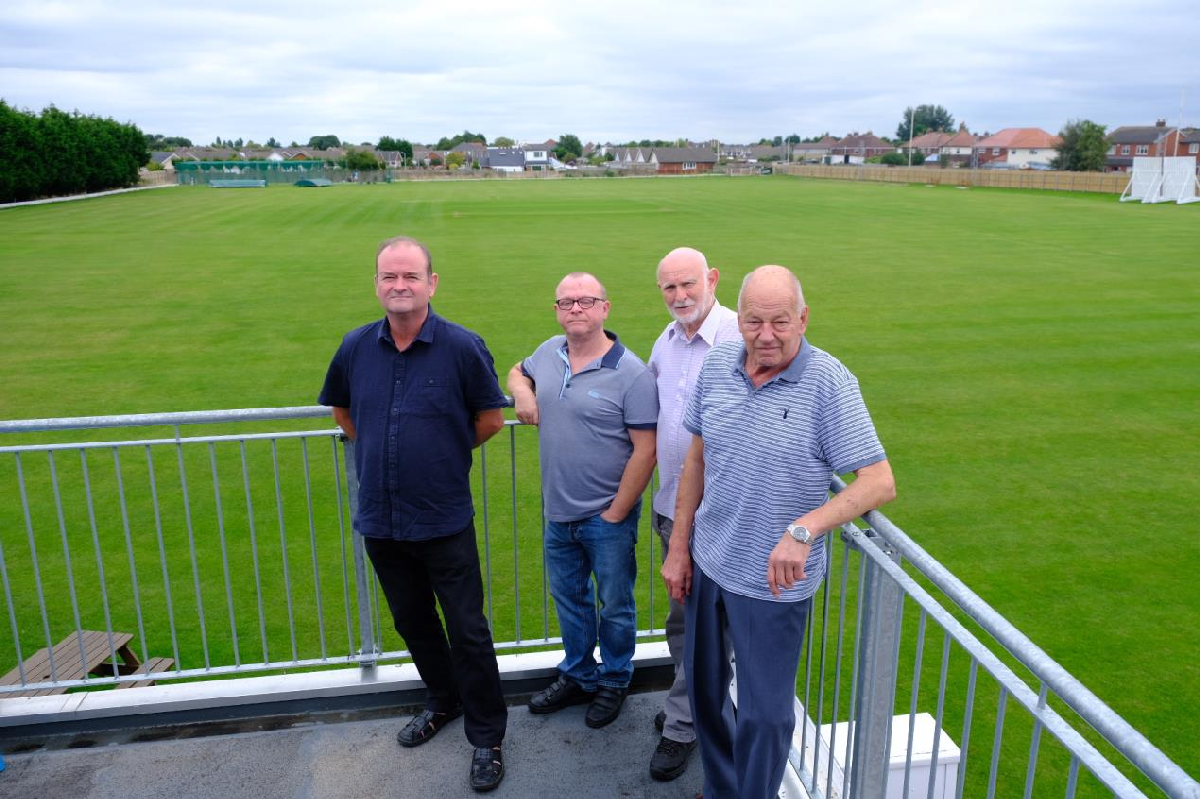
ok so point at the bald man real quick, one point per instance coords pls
(772, 419)
(698, 323)
(595, 406)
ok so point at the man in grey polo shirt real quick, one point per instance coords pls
(595, 406)
(698, 323)
(773, 418)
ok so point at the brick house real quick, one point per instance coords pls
(1016, 148)
(1130, 141)
(682, 160)
(855, 148)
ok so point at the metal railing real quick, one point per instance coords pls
(231, 553)
(849, 744)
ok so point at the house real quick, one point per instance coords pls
(505, 159)
(767, 152)
(537, 157)
(1016, 148)
(629, 156)
(164, 159)
(736, 152)
(813, 151)
(392, 159)
(1129, 141)
(682, 160)
(856, 148)
(952, 148)
(473, 151)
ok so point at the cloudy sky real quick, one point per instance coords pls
(612, 71)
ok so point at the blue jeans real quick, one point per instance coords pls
(575, 551)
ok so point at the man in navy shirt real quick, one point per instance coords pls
(416, 393)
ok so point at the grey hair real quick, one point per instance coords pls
(394, 240)
(795, 286)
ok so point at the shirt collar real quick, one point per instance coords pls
(708, 328)
(384, 330)
(611, 358)
(791, 374)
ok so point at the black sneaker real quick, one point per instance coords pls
(605, 707)
(670, 759)
(559, 694)
(487, 768)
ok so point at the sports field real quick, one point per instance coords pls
(1031, 360)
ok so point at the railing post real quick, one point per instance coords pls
(876, 690)
(362, 579)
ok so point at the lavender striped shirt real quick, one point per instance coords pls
(675, 362)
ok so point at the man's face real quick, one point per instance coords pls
(577, 320)
(687, 290)
(403, 283)
(770, 326)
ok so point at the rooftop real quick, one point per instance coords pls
(325, 752)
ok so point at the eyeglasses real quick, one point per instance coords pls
(584, 303)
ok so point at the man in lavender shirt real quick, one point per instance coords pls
(699, 323)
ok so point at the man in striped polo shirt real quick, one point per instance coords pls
(698, 323)
(772, 418)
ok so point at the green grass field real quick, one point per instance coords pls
(1031, 360)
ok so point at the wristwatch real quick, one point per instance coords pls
(800, 533)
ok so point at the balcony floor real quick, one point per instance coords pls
(357, 756)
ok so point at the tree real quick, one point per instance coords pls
(273, 144)
(1084, 147)
(396, 145)
(924, 119)
(156, 141)
(362, 161)
(901, 159)
(324, 142)
(455, 160)
(503, 141)
(452, 142)
(568, 148)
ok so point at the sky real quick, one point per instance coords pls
(616, 71)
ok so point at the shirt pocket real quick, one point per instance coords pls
(432, 396)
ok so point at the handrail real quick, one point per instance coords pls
(1132, 744)
(168, 418)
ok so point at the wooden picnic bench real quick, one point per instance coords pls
(95, 659)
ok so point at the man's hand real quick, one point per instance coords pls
(607, 515)
(527, 410)
(524, 397)
(786, 564)
(677, 573)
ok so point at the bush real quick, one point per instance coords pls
(59, 153)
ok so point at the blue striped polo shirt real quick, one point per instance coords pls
(769, 454)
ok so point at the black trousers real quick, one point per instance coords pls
(462, 669)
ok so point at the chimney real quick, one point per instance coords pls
(1162, 123)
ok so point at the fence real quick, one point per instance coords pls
(230, 552)
(1102, 182)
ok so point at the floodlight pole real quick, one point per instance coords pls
(912, 120)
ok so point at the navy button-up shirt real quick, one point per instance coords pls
(414, 420)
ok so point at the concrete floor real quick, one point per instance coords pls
(354, 755)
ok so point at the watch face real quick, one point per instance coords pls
(800, 533)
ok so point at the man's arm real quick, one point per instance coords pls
(636, 476)
(524, 398)
(677, 568)
(873, 487)
(342, 417)
(487, 424)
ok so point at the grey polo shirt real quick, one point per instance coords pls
(769, 454)
(584, 422)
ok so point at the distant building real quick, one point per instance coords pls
(1016, 148)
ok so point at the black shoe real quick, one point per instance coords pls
(487, 768)
(605, 707)
(560, 693)
(670, 759)
(660, 720)
(425, 725)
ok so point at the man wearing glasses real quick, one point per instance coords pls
(595, 405)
